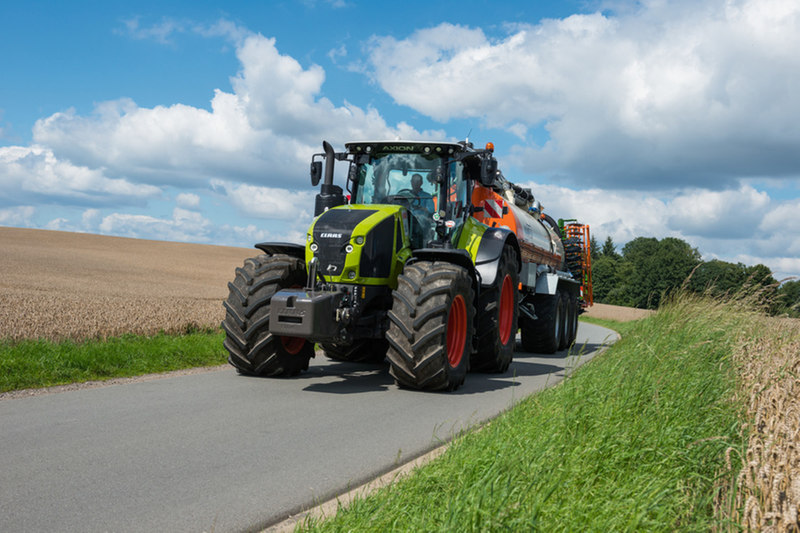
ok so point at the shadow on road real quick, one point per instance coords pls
(355, 378)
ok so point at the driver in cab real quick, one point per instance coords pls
(422, 202)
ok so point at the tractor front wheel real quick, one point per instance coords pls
(431, 326)
(252, 349)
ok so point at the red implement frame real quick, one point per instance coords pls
(581, 232)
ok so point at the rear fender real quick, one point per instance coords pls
(490, 250)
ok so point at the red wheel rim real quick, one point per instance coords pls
(292, 344)
(456, 331)
(506, 310)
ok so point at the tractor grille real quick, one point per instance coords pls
(332, 233)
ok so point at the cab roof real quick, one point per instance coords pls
(400, 147)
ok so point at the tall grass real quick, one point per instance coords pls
(635, 441)
(41, 363)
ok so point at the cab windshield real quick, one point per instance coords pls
(410, 180)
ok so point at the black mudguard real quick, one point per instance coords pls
(293, 250)
(490, 250)
(456, 256)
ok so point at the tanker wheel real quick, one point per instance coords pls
(252, 349)
(571, 319)
(361, 351)
(566, 329)
(544, 335)
(431, 326)
(497, 318)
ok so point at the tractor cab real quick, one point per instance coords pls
(428, 179)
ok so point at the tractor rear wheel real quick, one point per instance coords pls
(497, 318)
(431, 326)
(545, 334)
(361, 351)
(252, 349)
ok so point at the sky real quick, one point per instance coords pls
(196, 121)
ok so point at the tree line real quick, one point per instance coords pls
(648, 269)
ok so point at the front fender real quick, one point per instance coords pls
(451, 255)
(290, 249)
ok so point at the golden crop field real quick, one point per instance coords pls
(59, 285)
(767, 492)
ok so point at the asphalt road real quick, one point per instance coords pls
(222, 452)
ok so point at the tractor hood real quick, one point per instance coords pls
(359, 244)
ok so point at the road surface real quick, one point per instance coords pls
(222, 452)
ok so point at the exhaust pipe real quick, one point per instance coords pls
(330, 195)
(330, 157)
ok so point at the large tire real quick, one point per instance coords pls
(431, 326)
(497, 318)
(361, 351)
(567, 321)
(252, 349)
(571, 329)
(544, 335)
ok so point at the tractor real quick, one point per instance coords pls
(433, 260)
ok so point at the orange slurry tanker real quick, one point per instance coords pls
(434, 261)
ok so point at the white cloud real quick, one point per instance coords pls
(161, 32)
(20, 216)
(665, 95)
(184, 225)
(268, 202)
(340, 52)
(187, 200)
(263, 133)
(35, 172)
(247, 236)
(726, 214)
(744, 225)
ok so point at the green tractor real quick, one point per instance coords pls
(433, 261)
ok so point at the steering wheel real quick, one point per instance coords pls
(404, 196)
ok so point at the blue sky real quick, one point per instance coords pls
(195, 121)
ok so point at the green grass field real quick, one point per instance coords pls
(634, 441)
(30, 364)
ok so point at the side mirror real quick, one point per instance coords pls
(316, 172)
(488, 171)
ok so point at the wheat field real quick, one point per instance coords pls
(57, 285)
(766, 495)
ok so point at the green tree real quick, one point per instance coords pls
(604, 277)
(718, 277)
(789, 298)
(609, 248)
(656, 269)
(594, 248)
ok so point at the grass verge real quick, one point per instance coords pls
(634, 441)
(30, 364)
